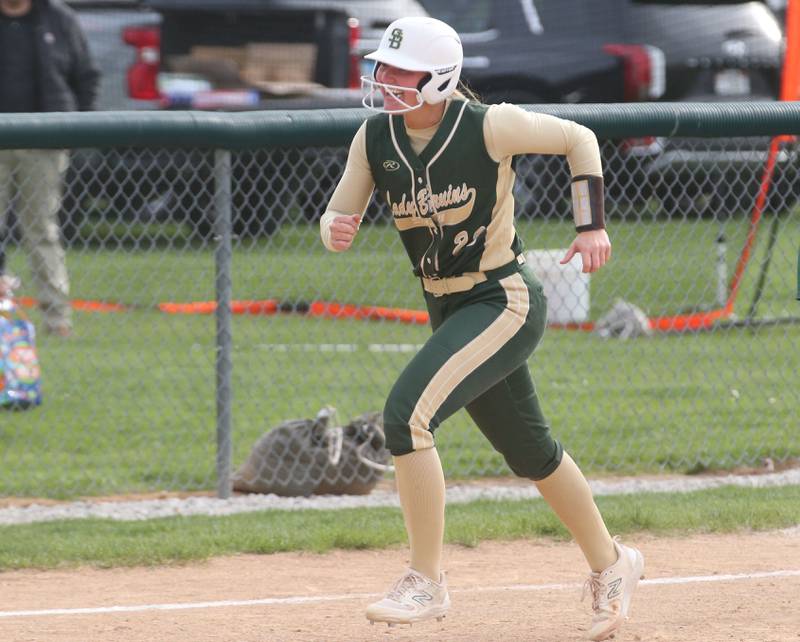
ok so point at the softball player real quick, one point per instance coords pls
(443, 164)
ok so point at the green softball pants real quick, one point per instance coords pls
(476, 359)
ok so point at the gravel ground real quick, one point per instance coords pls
(457, 493)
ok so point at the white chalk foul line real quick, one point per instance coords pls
(363, 596)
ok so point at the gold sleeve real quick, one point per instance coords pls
(355, 188)
(510, 130)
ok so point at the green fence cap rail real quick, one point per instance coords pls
(335, 127)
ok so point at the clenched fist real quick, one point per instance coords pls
(343, 231)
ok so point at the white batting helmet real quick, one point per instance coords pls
(419, 44)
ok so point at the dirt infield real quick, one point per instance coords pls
(705, 588)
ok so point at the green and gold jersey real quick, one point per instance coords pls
(449, 186)
(452, 202)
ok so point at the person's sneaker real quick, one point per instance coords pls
(612, 591)
(413, 598)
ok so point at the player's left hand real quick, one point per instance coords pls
(594, 247)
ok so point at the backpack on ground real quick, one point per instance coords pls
(314, 456)
(20, 375)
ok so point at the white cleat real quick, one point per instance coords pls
(413, 598)
(612, 591)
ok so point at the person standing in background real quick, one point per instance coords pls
(45, 66)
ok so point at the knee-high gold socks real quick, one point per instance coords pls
(420, 484)
(568, 494)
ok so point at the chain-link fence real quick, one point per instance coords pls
(681, 354)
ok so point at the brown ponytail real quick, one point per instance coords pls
(464, 91)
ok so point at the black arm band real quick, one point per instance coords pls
(587, 203)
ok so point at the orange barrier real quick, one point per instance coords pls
(330, 309)
(78, 304)
(197, 307)
(587, 326)
(349, 311)
(267, 306)
(691, 322)
(98, 306)
(334, 310)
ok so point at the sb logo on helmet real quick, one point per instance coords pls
(396, 38)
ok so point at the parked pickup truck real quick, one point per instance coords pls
(251, 54)
(262, 54)
(136, 43)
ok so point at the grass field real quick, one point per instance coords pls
(129, 402)
(662, 266)
(107, 543)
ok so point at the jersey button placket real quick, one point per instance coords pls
(426, 263)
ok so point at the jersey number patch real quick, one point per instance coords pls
(461, 239)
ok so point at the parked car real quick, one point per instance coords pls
(669, 50)
(731, 52)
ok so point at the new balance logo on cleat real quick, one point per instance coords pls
(612, 591)
(413, 598)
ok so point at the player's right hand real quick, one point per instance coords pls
(343, 231)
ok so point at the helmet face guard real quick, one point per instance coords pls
(373, 89)
(417, 44)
